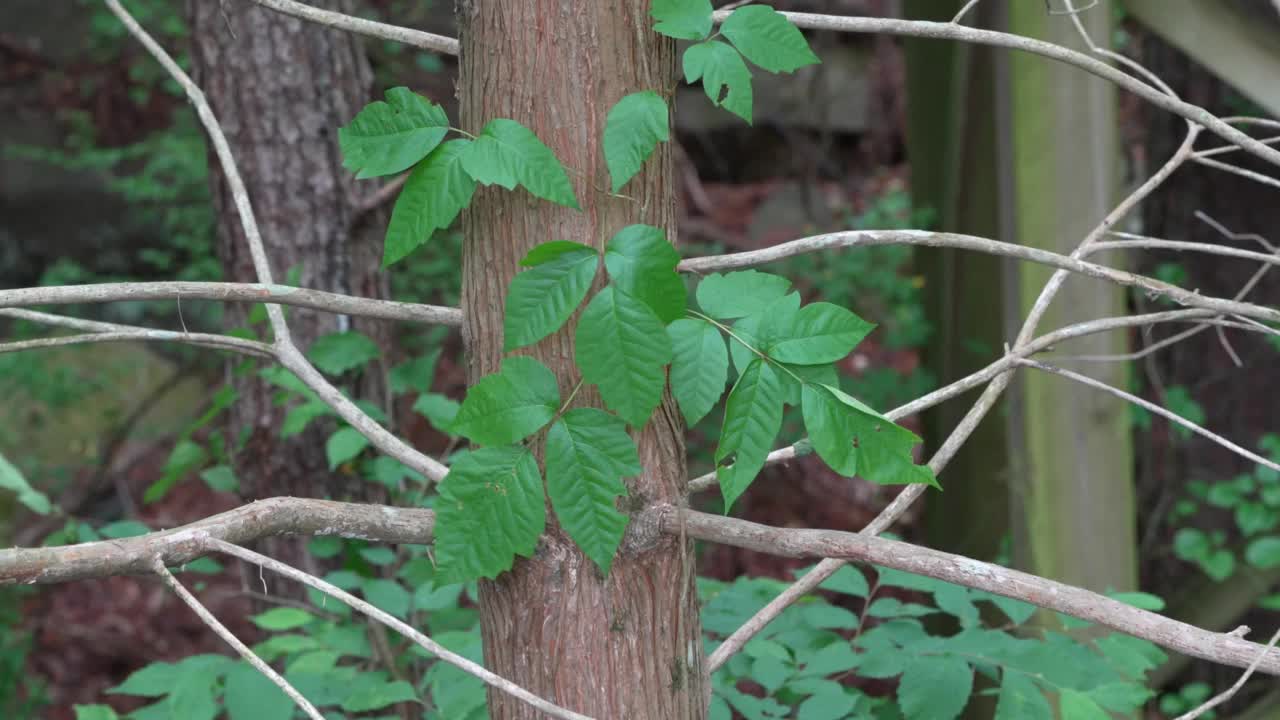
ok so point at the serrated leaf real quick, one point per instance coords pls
(720, 66)
(191, 697)
(682, 19)
(739, 294)
(935, 687)
(415, 374)
(387, 137)
(759, 330)
(344, 445)
(507, 153)
(699, 367)
(1075, 705)
(633, 128)
(621, 347)
(1120, 697)
(509, 405)
(588, 454)
(828, 705)
(298, 418)
(832, 427)
(337, 353)
(379, 696)
(642, 264)
(883, 447)
(752, 419)
(388, 595)
(1021, 699)
(435, 192)
(13, 480)
(439, 410)
(491, 508)
(795, 377)
(820, 333)
(541, 299)
(768, 39)
(250, 695)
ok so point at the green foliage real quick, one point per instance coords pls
(642, 264)
(389, 137)
(509, 405)
(1186, 699)
(435, 192)
(719, 66)
(768, 39)
(541, 299)
(682, 19)
(622, 347)
(337, 353)
(699, 367)
(507, 153)
(344, 445)
(12, 479)
(752, 418)
(740, 294)
(633, 128)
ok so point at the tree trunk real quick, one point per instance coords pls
(625, 646)
(281, 88)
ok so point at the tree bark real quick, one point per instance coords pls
(281, 87)
(629, 645)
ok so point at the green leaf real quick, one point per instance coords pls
(1021, 699)
(1141, 600)
(1075, 705)
(388, 595)
(699, 367)
(220, 478)
(250, 695)
(752, 418)
(768, 39)
(12, 479)
(720, 66)
(123, 529)
(95, 712)
(621, 347)
(642, 264)
(379, 696)
(682, 19)
(191, 697)
(153, 680)
(509, 405)
(633, 128)
(337, 353)
(387, 137)
(1264, 553)
(282, 618)
(828, 705)
(298, 418)
(541, 299)
(344, 445)
(819, 333)
(507, 153)
(935, 687)
(588, 454)
(491, 508)
(832, 427)
(739, 294)
(884, 448)
(439, 410)
(1121, 697)
(433, 195)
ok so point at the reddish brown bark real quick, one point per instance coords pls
(625, 646)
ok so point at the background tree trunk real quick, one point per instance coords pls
(281, 88)
(626, 646)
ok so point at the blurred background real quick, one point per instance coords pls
(105, 176)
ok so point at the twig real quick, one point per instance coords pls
(1236, 170)
(495, 681)
(964, 11)
(1230, 692)
(395, 33)
(222, 632)
(217, 342)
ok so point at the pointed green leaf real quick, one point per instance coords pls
(883, 447)
(808, 374)
(337, 353)
(491, 508)
(439, 410)
(13, 480)
(588, 454)
(95, 712)
(752, 419)
(621, 347)
(832, 427)
(436, 191)
(373, 696)
(548, 251)
(509, 405)
(768, 39)
(642, 264)
(507, 153)
(760, 330)
(633, 128)
(699, 367)
(739, 294)
(682, 19)
(1075, 705)
(720, 67)
(344, 445)
(542, 298)
(935, 687)
(820, 333)
(250, 695)
(388, 137)
(1021, 699)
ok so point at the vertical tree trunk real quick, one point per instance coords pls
(625, 646)
(281, 88)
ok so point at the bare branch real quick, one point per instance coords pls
(495, 681)
(394, 33)
(112, 332)
(1236, 170)
(235, 642)
(1222, 648)
(264, 518)
(1230, 692)
(232, 292)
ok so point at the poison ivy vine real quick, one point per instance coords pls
(635, 337)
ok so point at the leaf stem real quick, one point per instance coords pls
(727, 331)
(572, 394)
(460, 131)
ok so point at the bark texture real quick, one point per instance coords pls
(625, 646)
(281, 88)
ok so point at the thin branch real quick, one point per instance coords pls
(1236, 170)
(232, 292)
(1138, 242)
(216, 342)
(264, 518)
(1153, 408)
(394, 33)
(495, 681)
(964, 11)
(1230, 692)
(235, 642)
(1222, 648)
